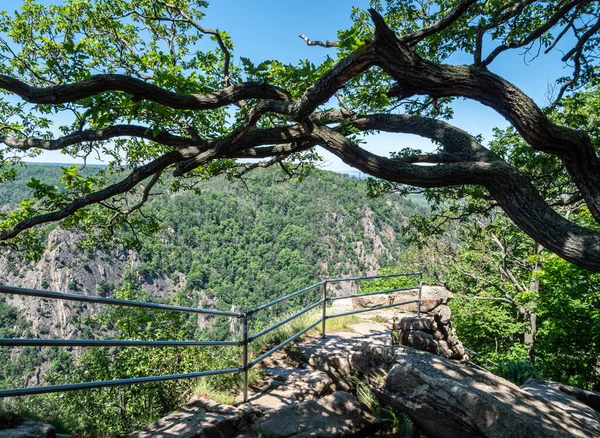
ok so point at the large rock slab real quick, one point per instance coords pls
(287, 386)
(552, 392)
(447, 399)
(201, 418)
(336, 415)
(588, 398)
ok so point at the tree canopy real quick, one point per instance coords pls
(137, 84)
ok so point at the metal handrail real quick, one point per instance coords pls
(114, 301)
(282, 344)
(285, 321)
(474, 353)
(107, 383)
(383, 292)
(26, 342)
(244, 316)
(287, 297)
(370, 309)
(372, 277)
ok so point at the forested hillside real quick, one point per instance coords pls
(247, 242)
(231, 245)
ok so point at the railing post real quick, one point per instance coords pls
(245, 354)
(324, 315)
(420, 291)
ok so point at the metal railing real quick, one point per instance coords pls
(243, 316)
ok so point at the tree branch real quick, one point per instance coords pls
(163, 137)
(140, 90)
(549, 24)
(417, 76)
(215, 33)
(576, 53)
(135, 177)
(512, 190)
(582, 40)
(565, 29)
(414, 37)
(327, 44)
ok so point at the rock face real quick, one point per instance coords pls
(445, 398)
(201, 418)
(336, 415)
(432, 334)
(65, 268)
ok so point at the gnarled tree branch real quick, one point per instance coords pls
(417, 76)
(140, 90)
(326, 44)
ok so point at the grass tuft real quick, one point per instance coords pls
(205, 388)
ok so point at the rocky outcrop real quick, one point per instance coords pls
(63, 267)
(433, 334)
(202, 418)
(445, 398)
(431, 298)
(337, 415)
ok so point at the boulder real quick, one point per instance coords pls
(433, 334)
(589, 398)
(336, 415)
(369, 301)
(447, 399)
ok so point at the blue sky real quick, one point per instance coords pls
(268, 29)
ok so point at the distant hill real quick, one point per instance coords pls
(227, 247)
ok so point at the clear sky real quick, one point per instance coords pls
(268, 29)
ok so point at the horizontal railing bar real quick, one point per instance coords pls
(371, 277)
(285, 321)
(371, 309)
(468, 350)
(283, 344)
(479, 367)
(287, 297)
(16, 342)
(108, 383)
(112, 301)
(341, 297)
